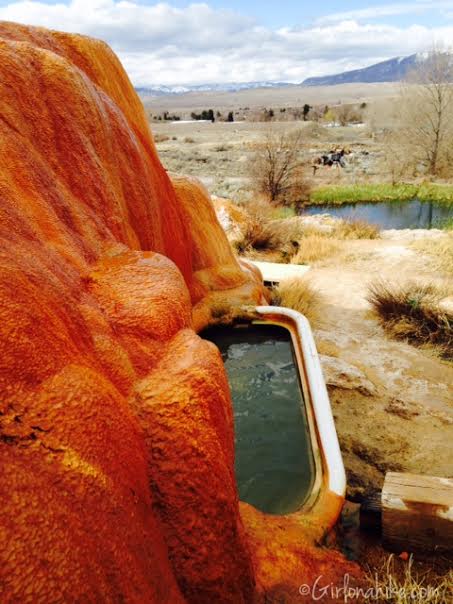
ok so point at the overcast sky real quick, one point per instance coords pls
(239, 41)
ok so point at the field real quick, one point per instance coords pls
(220, 153)
(271, 97)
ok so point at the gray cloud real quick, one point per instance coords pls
(161, 44)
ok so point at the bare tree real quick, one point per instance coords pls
(277, 168)
(426, 114)
(396, 162)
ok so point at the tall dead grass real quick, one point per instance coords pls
(313, 248)
(297, 293)
(262, 233)
(411, 312)
(387, 584)
(356, 229)
(257, 235)
(292, 240)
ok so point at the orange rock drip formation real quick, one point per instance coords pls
(116, 429)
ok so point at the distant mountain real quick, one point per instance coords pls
(392, 70)
(229, 87)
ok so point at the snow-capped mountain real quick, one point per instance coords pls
(392, 70)
(229, 87)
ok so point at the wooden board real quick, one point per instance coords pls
(417, 513)
(274, 272)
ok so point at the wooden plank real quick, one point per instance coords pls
(274, 272)
(417, 513)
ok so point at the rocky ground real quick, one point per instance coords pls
(392, 402)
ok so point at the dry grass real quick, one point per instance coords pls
(440, 251)
(262, 233)
(314, 248)
(356, 229)
(290, 239)
(257, 235)
(411, 312)
(257, 231)
(297, 293)
(408, 587)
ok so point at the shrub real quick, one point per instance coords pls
(257, 230)
(258, 236)
(277, 170)
(297, 293)
(261, 232)
(188, 139)
(411, 312)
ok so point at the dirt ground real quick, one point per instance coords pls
(392, 402)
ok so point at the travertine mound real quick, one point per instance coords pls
(116, 436)
(116, 430)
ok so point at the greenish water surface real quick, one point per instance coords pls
(274, 459)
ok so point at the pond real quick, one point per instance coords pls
(413, 214)
(274, 465)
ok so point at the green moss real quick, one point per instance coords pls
(337, 195)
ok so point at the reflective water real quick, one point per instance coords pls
(413, 214)
(274, 459)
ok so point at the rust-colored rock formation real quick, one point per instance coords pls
(116, 430)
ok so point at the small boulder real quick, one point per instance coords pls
(340, 374)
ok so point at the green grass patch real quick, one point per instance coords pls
(282, 212)
(435, 192)
(337, 195)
